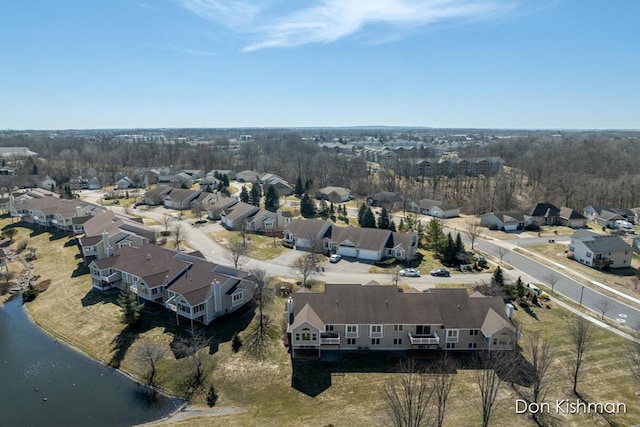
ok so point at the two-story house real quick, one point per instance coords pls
(600, 250)
(374, 317)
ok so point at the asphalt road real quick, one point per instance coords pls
(565, 286)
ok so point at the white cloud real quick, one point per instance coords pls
(327, 21)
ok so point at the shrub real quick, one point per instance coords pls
(389, 262)
(236, 343)
(30, 294)
(287, 245)
(212, 396)
(493, 227)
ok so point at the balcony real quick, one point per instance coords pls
(329, 338)
(424, 339)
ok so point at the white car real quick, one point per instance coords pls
(335, 258)
(409, 272)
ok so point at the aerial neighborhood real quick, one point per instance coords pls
(417, 249)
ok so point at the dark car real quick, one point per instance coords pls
(440, 272)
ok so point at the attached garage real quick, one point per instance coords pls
(347, 251)
(369, 255)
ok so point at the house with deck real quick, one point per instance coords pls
(196, 290)
(348, 317)
(600, 250)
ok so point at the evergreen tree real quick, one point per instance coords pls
(384, 220)
(256, 195)
(368, 220)
(392, 226)
(401, 226)
(34, 169)
(324, 210)
(244, 194)
(307, 184)
(449, 253)
(271, 199)
(459, 244)
(307, 207)
(498, 276)
(332, 209)
(520, 291)
(435, 236)
(225, 180)
(299, 188)
(127, 300)
(236, 343)
(361, 211)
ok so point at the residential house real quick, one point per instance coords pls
(48, 183)
(213, 211)
(369, 244)
(600, 250)
(571, 218)
(282, 187)
(333, 194)
(505, 221)
(248, 176)
(233, 217)
(47, 211)
(187, 284)
(79, 183)
(380, 318)
(94, 184)
(156, 195)
(180, 198)
(606, 216)
(436, 208)
(105, 232)
(124, 183)
(390, 200)
(543, 213)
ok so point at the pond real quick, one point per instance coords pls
(44, 382)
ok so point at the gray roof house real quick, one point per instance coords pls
(195, 289)
(507, 221)
(334, 194)
(379, 318)
(600, 251)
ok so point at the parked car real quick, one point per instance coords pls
(440, 272)
(409, 272)
(335, 258)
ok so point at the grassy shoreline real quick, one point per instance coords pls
(266, 387)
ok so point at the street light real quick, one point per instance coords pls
(581, 293)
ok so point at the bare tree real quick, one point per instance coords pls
(315, 247)
(581, 339)
(473, 230)
(262, 295)
(603, 305)
(541, 356)
(236, 251)
(492, 364)
(633, 357)
(501, 251)
(443, 377)
(407, 396)
(178, 234)
(167, 221)
(552, 279)
(303, 267)
(191, 347)
(147, 355)
(198, 210)
(395, 275)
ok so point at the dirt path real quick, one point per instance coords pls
(191, 411)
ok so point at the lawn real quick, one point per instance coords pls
(269, 388)
(259, 246)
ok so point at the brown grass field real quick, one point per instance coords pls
(274, 393)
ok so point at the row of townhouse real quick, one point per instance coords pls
(101, 234)
(187, 284)
(543, 213)
(179, 198)
(374, 317)
(237, 215)
(370, 244)
(42, 208)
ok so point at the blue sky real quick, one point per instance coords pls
(272, 63)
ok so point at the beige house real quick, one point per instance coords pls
(374, 317)
(600, 250)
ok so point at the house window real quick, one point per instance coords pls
(375, 341)
(375, 330)
(473, 332)
(237, 298)
(297, 337)
(423, 329)
(351, 341)
(352, 330)
(452, 335)
(451, 345)
(397, 341)
(588, 254)
(306, 336)
(198, 308)
(156, 291)
(184, 308)
(473, 345)
(328, 328)
(397, 328)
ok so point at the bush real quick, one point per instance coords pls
(29, 294)
(493, 227)
(389, 262)
(212, 396)
(287, 245)
(236, 343)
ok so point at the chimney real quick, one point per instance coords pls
(78, 210)
(279, 221)
(108, 250)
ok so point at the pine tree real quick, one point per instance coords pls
(392, 226)
(225, 180)
(307, 184)
(299, 189)
(449, 252)
(244, 194)
(361, 211)
(384, 220)
(324, 209)
(435, 236)
(307, 207)
(498, 276)
(256, 195)
(401, 226)
(34, 169)
(459, 244)
(332, 209)
(127, 300)
(271, 199)
(368, 220)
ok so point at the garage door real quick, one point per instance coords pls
(347, 251)
(369, 255)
